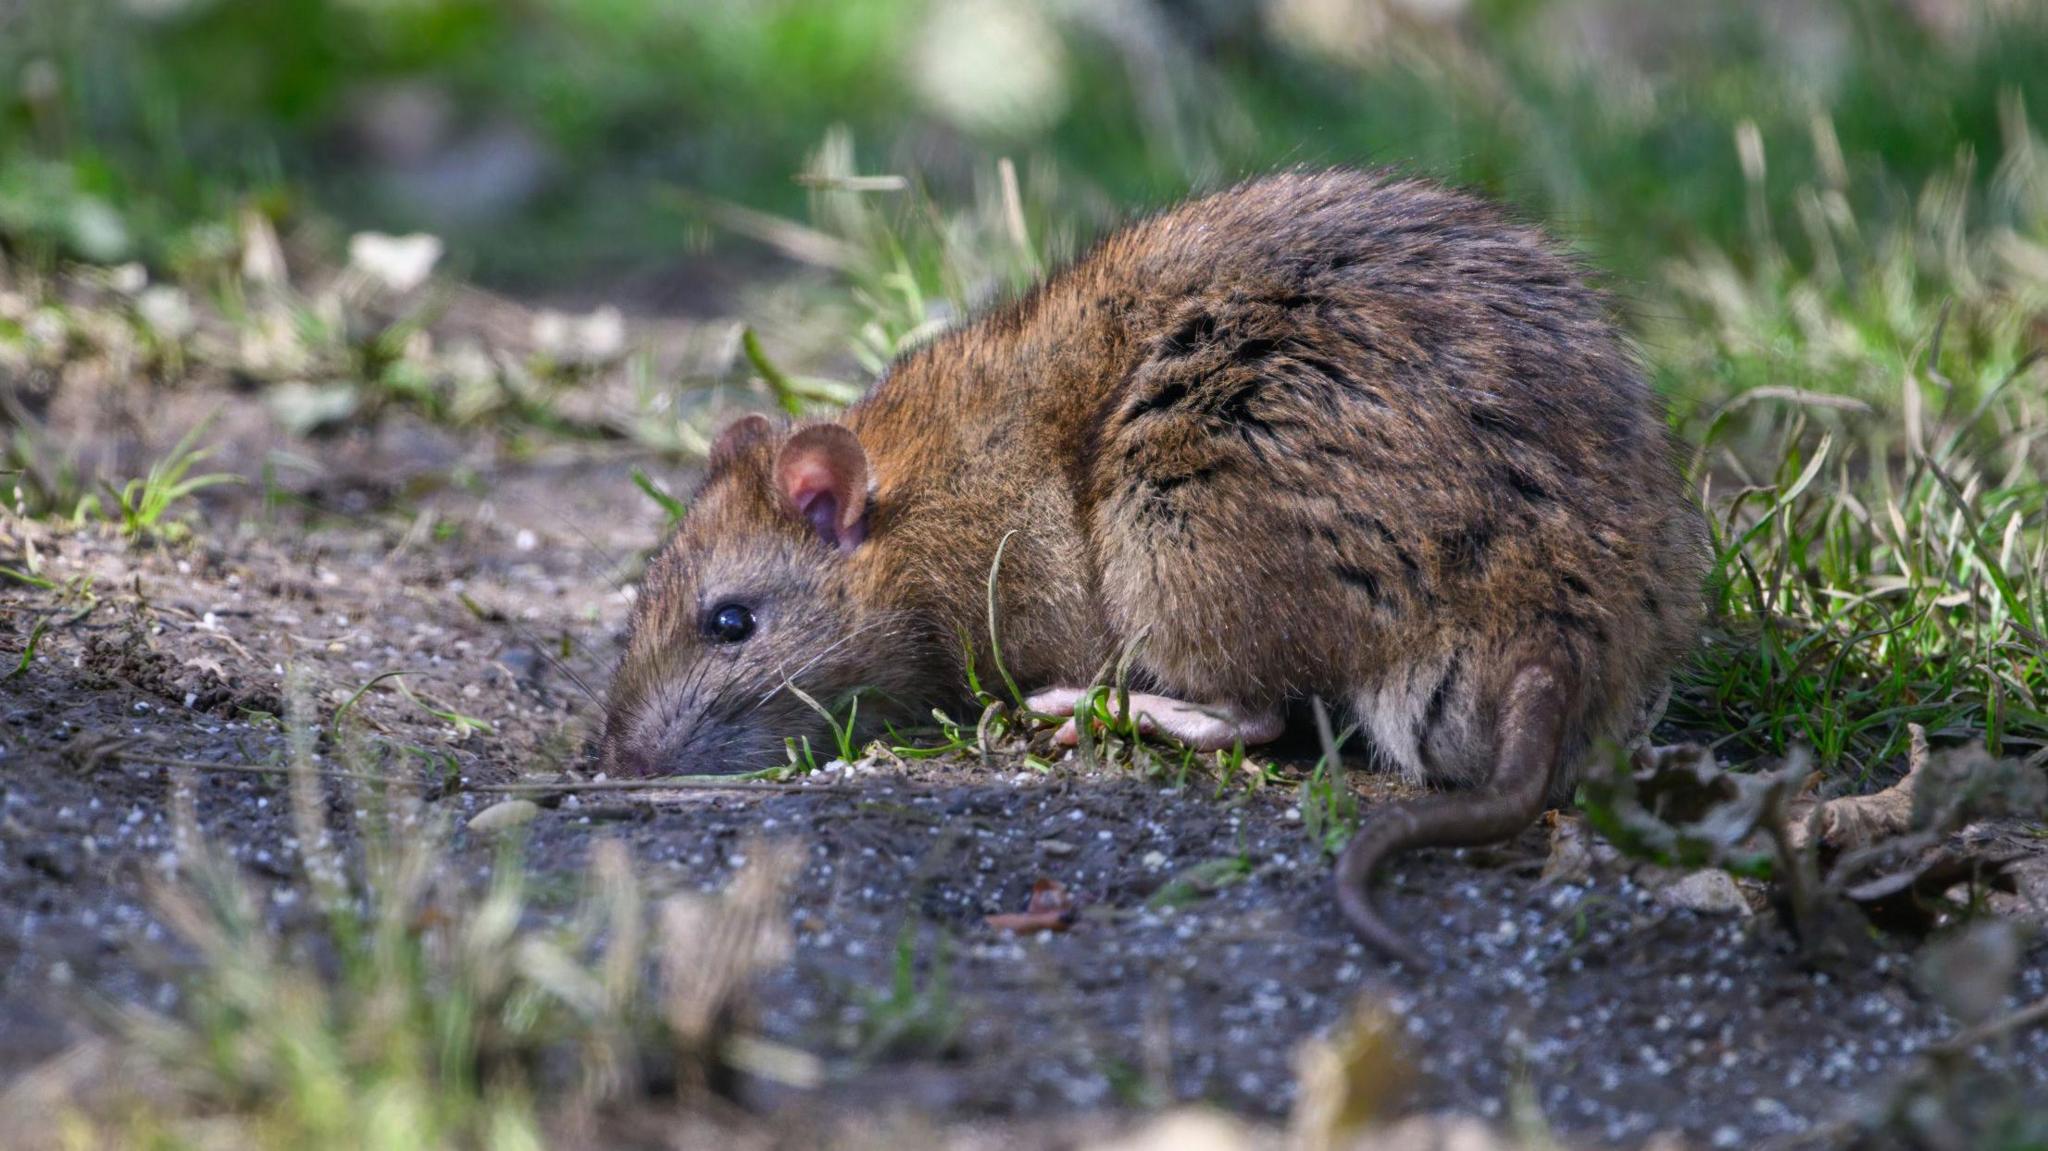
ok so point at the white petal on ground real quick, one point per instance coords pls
(398, 263)
(167, 311)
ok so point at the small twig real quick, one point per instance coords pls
(245, 768)
(1962, 1041)
(672, 783)
(995, 645)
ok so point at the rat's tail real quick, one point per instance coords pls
(1530, 740)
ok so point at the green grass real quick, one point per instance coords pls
(40, 482)
(1329, 807)
(1865, 421)
(672, 509)
(915, 1015)
(28, 650)
(135, 136)
(142, 506)
(422, 1012)
(844, 740)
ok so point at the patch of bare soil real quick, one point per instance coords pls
(1614, 1012)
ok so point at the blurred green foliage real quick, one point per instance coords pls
(124, 121)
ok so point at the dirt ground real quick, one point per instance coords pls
(1610, 1011)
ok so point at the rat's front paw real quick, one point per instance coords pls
(1204, 727)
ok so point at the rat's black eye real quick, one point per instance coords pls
(728, 623)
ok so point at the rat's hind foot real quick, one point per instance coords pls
(1200, 726)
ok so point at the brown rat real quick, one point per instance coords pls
(1325, 433)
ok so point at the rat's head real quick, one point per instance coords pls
(759, 590)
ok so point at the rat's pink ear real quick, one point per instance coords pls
(823, 473)
(738, 437)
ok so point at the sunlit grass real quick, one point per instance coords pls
(1867, 420)
(419, 1009)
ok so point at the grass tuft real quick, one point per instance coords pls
(141, 507)
(1868, 427)
(419, 1012)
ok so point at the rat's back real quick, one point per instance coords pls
(1372, 440)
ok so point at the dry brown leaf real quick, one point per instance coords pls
(1574, 849)
(1852, 821)
(712, 947)
(1709, 891)
(1051, 909)
(504, 815)
(1913, 898)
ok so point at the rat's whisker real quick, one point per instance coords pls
(790, 677)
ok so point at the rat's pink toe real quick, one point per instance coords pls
(1055, 700)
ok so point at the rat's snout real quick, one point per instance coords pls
(669, 736)
(690, 720)
(705, 748)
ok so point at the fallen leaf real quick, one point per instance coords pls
(504, 815)
(1710, 891)
(1852, 821)
(1051, 908)
(1678, 808)
(1573, 850)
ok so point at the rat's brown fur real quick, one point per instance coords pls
(1325, 433)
